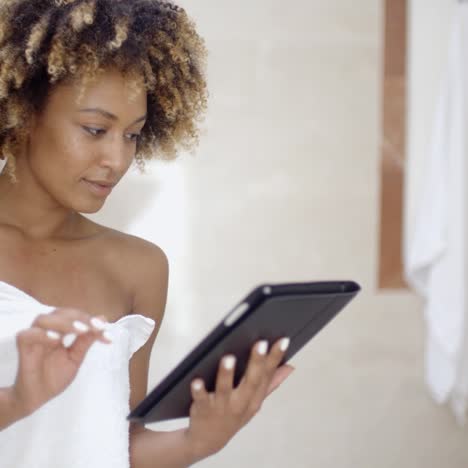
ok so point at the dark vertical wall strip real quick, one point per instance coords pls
(393, 146)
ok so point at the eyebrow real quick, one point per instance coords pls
(109, 115)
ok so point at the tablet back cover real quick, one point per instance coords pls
(297, 310)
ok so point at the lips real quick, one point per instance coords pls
(102, 183)
(99, 188)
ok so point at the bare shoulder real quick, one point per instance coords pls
(144, 267)
(140, 254)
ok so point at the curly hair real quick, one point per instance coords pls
(153, 43)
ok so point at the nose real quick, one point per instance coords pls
(116, 155)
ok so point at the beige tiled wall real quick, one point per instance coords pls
(285, 186)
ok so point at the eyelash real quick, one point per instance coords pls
(90, 130)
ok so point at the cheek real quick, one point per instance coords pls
(75, 154)
(62, 153)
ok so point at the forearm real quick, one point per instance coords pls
(9, 410)
(151, 449)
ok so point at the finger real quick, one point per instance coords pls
(225, 377)
(36, 340)
(281, 374)
(274, 358)
(70, 338)
(101, 325)
(32, 344)
(80, 347)
(200, 397)
(67, 321)
(276, 355)
(64, 321)
(262, 376)
(31, 337)
(198, 390)
(255, 372)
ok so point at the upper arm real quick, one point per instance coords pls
(150, 272)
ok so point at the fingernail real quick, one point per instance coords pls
(229, 362)
(262, 347)
(197, 385)
(80, 326)
(98, 323)
(53, 335)
(68, 340)
(284, 344)
(107, 335)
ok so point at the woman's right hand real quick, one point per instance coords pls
(47, 363)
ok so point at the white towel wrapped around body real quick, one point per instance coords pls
(85, 426)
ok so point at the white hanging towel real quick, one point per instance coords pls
(435, 262)
(85, 426)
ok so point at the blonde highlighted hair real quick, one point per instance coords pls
(153, 43)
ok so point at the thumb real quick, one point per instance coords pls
(281, 374)
(80, 347)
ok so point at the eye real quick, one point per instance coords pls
(94, 131)
(134, 136)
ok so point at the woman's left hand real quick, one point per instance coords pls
(216, 417)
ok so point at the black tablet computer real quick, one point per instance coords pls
(269, 312)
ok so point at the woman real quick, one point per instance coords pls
(87, 87)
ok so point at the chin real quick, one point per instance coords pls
(87, 206)
(88, 209)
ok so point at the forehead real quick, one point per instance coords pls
(109, 90)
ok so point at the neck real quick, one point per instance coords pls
(33, 213)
